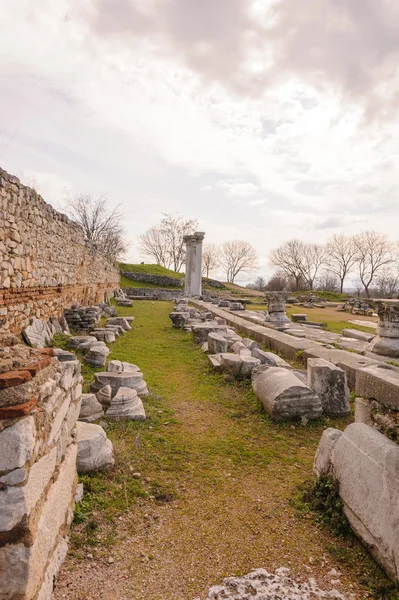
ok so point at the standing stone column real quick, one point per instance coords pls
(193, 276)
(276, 302)
(387, 340)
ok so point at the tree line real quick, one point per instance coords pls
(164, 244)
(369, 255)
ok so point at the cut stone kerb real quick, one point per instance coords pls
(387, 340)
(276, 302)
(193, 275)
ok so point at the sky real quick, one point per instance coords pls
(263, 119)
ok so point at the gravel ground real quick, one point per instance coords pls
(262, 585)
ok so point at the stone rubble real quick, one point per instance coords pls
(126, 406)
(95, 450)
(90, 410)
(329, 382)
(262, 585)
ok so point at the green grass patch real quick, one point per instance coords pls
(150, 270)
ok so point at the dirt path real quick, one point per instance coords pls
(214, 495)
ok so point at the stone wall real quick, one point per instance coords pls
(45, 262)
(153, 293)
(161, 280)
(40, 404)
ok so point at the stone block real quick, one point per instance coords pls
(129, 379)
(329, 383)
(357, 335)
(95, 451)
(323, 464)
(231, 364)
(366, 465)
(284, 396)
(379, 382)
(217, 344)
(201, 332)
(16, 502)
(119, 321)
(17, 444)
(126, 406)
(363, 411)
(90, 409)
(268, 358)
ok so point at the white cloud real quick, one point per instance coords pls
(157, 130)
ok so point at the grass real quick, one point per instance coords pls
(334, 320)
(216, 481)
(129, 283)
(150, 270)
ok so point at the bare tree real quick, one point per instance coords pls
(278, 282)
(260, 283)
(313, 257)
(373, 252)
(210, 259)
(328, 282)
(388, 282)
(341, 257)
(165, 244)
(238, 256)
(153, 245)
(101, 226)
(288, 258)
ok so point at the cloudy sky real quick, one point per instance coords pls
(263, 119)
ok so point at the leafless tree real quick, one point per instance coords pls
(101, 226)
(341, 256)
(153, 245)
(288, 258)
(388, 282)
(373, 252)
(238, 256)
(165, 244)
(328, 282)
(313, 257)
(260, 283)
(278, 282)
(210, 259)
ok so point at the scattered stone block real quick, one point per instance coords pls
(104, 335)
(104, 396)
(202, 331)
(323, 464)
(97, 355)
(299, 318)
(284, 396)
(268, 358)
(123, 322)
(90, 408)
(126, 406)
(248, 365)
(95, 450)
(179, 319)
(357, 335)
(363, 411)
(76, 341)
(379, 382)
(329, 382)
(231, 364)
(214, 359)
(63, 355)
(133, 380)
(240, 348)
(217, 344)
(114, 366)
(366, 465)
(250, 344)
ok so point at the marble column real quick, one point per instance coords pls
(387, 340)
(193, 276)
(276, 302)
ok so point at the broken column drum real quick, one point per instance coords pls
(387, 340)
(276, 302)
(193, 281)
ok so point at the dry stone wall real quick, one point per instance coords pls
(45, 262)
(39, 404)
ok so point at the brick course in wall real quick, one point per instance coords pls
(45, 262)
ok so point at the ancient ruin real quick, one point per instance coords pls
(387, 340)
(193, 273)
